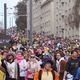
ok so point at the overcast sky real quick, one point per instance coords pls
(10, 6)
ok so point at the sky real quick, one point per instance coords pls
(10, 10)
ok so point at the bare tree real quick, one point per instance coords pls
(21, 20)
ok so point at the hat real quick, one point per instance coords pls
(10, 54)
(48, 57)
(46, 60)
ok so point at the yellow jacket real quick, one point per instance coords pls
(1, 73)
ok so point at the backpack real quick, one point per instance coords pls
(40, 75)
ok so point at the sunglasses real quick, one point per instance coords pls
(9, 59)
(32, 56)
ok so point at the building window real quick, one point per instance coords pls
(60, 6)
(62, 16)
(56, 2)
(57, 15)
(56, 26)
(41, 18)
(65, 29)
(65, 10)
(70, 9)
(65, 2)
(66, 24)
(56, 7)
(60, 19)
(69, 0)
(57, 20)
(73, 28)
(62, 3)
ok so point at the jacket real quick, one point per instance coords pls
(36, 75)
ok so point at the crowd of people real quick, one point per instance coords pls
(49, 58)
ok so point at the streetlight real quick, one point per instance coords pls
(5, 19)
(30, 21)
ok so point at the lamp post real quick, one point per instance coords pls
(5, 19)
(29, 19)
